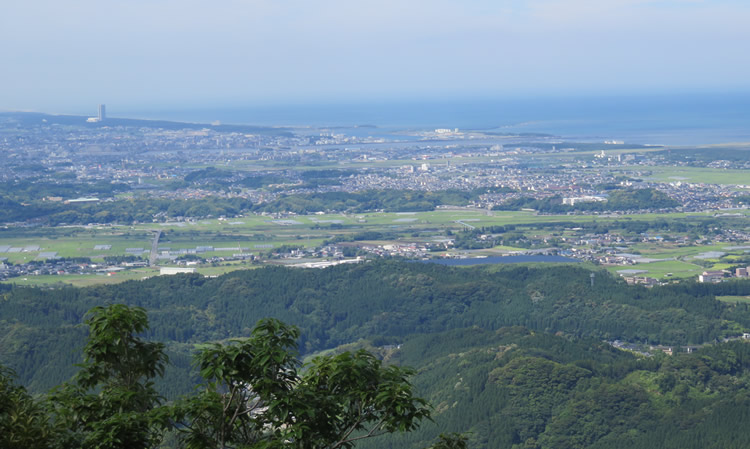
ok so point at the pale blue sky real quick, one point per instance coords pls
(65, 55)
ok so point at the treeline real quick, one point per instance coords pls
(358, 202)
(121, 211)
(371, 200)
(389, 299)
(27, 190)
(699, 225)
(146, 209)
(695, 225)
(469, 239)
(509, 235)
(618, 200)
(219, 179)
(513, 235)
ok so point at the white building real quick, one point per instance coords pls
(584, 199)
(175, 270)
(711, 276)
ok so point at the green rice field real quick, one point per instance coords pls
(735, 299)
(697, 175)
(259, 234)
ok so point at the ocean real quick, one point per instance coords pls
(686, 119)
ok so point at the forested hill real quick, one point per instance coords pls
(384, 301)
(517, 389)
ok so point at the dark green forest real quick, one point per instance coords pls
(514, 355)
(515, 388)
(371, 200)
(617, 200)
(391, 300)
(252, 394)
(143, 209)
(26, 204)
(122, 211)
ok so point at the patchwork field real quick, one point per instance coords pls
(697, 175)
(260, 234)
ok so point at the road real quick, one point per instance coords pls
(154, 249)
(468, 226)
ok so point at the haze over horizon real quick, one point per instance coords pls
(67, 57)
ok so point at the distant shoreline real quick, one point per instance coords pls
(667, 119)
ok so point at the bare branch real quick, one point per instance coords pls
(345, 439)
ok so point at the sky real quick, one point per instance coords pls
(65, 56)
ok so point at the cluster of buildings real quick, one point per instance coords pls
(155, 159)
(137, 156)
(39, 268)
(713, 276)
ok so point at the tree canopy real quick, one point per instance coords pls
(255, 393)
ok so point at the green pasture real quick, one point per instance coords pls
(683, 265)
(660, 270)
(218, 271)
(667, 250)
(79, 244)
(254, 232)
(85, 280)
(734, 299)
(299, 230)
(504, 248)
(327, 224)
(696, 175)
(721, 266)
